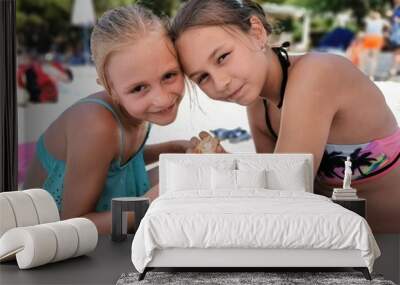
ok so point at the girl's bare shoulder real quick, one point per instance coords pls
(322, 73)
(316, 77)
(91, 120)
(320, 64)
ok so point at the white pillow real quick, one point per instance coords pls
(188, 174)
(282, 174)
(223, 179)
(237, 179)
(292, 179)
(251, 178)
(184, 177)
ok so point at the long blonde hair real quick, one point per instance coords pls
(118, 28)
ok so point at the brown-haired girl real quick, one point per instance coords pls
(312, 103)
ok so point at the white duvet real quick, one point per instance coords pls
(253, 218)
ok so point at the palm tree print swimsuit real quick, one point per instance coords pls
(369, 160)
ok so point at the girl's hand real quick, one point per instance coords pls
(196, 141)
(183, 146)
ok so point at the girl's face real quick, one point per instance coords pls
(146, 79)
(226, 63)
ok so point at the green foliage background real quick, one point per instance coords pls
(40, 22)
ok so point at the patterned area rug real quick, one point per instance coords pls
(242, 278)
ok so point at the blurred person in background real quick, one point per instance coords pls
(373, 42)
(395, 38)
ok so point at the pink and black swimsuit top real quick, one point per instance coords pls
(369, 160)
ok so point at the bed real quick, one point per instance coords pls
(247, 211)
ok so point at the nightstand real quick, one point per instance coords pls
(119, 208)
(358, 206)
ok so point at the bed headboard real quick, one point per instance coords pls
(271, 160)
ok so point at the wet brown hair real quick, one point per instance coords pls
(217, 13)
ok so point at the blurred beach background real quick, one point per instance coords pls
(53, 44)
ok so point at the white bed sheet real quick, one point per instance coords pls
(251, 218)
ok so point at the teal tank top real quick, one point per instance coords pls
(127, 180)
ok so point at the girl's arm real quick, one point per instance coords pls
(91, 147)
(263, 140)
(152, 152)
(152, 193)
(35, 175)
(309, 109)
